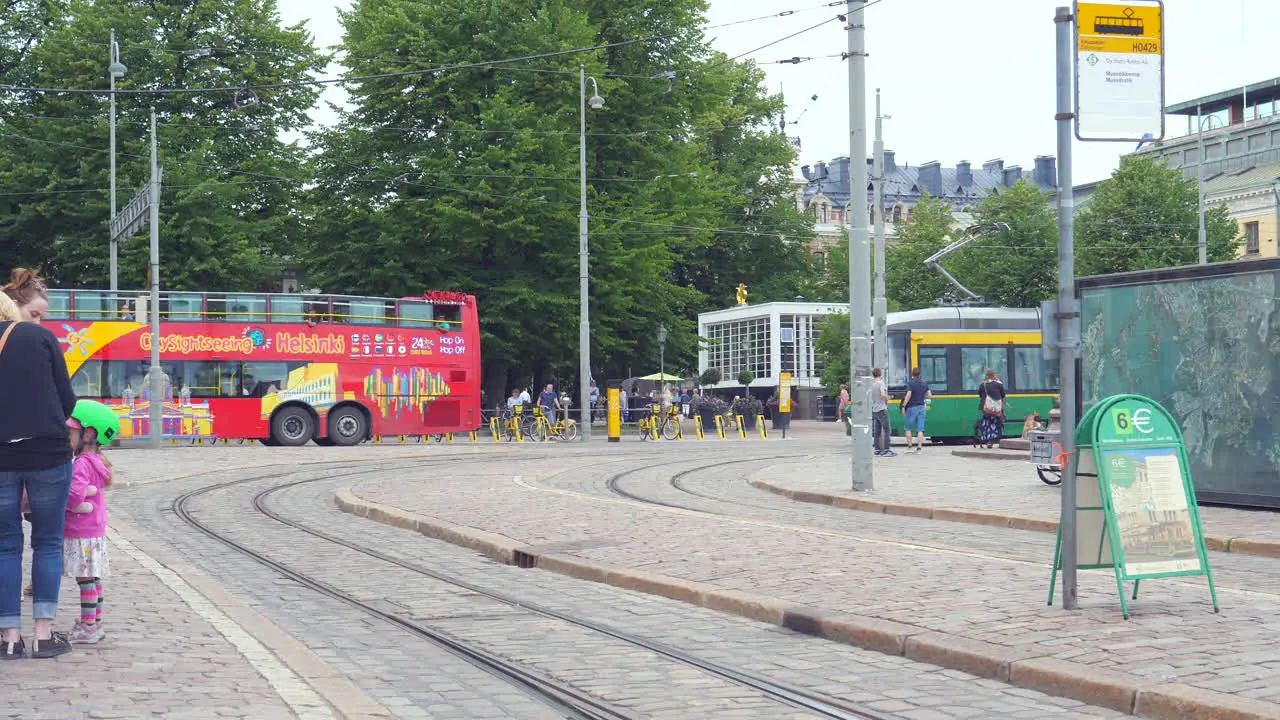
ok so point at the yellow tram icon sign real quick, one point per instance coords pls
(1119, 28)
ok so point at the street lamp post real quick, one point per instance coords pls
(662, 353)
(115, 71)
(584, 327)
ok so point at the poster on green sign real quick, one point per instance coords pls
(1155, 528)
(1138, 517)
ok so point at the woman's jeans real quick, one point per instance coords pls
(47, 492)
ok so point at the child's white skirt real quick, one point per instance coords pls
(84, 557)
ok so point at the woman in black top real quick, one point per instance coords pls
(35, 457)
(991, 405)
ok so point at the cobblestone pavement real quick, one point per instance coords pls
(976, 582)
(936, 478)
(412, 679)
(160, 659)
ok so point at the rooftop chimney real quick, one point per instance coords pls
(820, 170)
(964, 175)
(993, 167)
(931, 178)
(804, 170)
(889, 164)
(1046, 174)
(1010, 176)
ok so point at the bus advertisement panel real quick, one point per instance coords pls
(337, 374)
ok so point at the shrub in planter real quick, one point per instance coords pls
(711, 376)
(746, 377)
(708, 407)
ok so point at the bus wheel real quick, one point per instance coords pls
(292, 426)
(347, 426)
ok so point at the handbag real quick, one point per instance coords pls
(992, 406)
(5, 337)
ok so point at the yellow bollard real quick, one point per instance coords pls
(495, 428)
(377, 439)
(742, 428)
(697, 427)
(473, 436)
(448, 437)
(720, 427)
(401, 439)
(764, 434)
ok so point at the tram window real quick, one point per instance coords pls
(974, 362)
(933, 368)
(1032, 371)
(899, 359)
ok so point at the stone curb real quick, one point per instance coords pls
(1115, 690)
(1240, 545)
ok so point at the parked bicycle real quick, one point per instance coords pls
(658, 422)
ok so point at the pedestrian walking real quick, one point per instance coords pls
(913, 408)
(35, 458)
(84, 541)
(843, 402)
(991, 397)
(880, 414)
(623, 406)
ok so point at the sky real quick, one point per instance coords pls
(959, 80)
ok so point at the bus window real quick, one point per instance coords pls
(933, 368)
(59, 304)
(125, 377)
(1032, 371)
(974, 362)
(366, 312)
(449, 317)
(262, 378)
(899, 358)
(183, 306)
(89, 305)
(415, 313)
(245, 308)
(208, 378)
(286, 309)
(87, 382)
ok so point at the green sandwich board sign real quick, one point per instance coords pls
(1140, 518)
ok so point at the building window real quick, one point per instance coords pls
(738, 345)
(1251, 238)
(897, 213)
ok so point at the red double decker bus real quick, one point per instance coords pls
(283, 369)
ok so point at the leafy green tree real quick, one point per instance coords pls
(1146, 216)
(833, 347)
(907, 281)
(1018, 266)
(231, 185)
(468, 178)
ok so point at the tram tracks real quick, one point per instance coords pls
(563, 696)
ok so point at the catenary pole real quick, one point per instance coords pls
(1068, 315)
(859, 251)
(157, 376)
(111, 132)
(584, 324)
(880, 348)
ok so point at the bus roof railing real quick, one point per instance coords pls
(442, 310)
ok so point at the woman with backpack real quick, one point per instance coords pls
(991, 400)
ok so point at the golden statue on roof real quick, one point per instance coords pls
(742, 293)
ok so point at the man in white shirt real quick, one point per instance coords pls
(524, 397)
(622, 400)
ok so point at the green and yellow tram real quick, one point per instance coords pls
(953, 347)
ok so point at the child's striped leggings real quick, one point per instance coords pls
(90, 599)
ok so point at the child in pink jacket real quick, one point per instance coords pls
(84, 543)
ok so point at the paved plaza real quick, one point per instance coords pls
(668, 546)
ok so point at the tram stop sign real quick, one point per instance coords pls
(1140, 519)
(1119, 70)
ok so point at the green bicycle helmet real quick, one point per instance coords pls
(93, 414)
